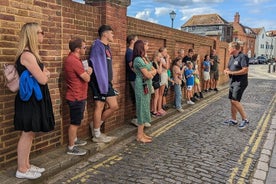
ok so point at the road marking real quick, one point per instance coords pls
(179, 119)
(113, 159)
(108, 162)
(261, 127)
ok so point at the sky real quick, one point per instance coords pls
(253, 13)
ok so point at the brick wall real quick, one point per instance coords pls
(62, 20)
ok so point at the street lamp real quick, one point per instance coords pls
(172, 15)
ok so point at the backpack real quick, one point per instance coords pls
(11, 77)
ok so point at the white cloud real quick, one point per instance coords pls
(189, 12)
(162, 11)
(145, 15)
(188, 2)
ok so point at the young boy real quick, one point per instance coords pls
(189, 74)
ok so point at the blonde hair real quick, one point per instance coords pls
(29, 38)
(235, 45)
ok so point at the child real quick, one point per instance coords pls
(177, 78)
(206, 72)
(195, 61)
(189, 74)
(156, 83)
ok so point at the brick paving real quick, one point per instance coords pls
(190, 148)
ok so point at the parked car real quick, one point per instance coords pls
(253, 61)
(262, 59)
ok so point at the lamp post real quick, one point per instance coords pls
(172, 15)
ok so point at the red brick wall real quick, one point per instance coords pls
(62, 20)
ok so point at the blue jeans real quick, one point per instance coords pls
(178, 96)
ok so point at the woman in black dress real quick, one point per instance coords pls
(32, 115)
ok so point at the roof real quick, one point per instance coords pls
(207, 19)
(257, 30)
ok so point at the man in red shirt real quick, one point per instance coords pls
(77, 75)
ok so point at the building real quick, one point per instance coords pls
(265, 43)
(209, 25)
(244, 35)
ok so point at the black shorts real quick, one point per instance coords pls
(97, 94)
(76, 111)
(236, 90)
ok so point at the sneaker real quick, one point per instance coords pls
(180, 110)
(147, 124)
(79, 142)
(102, 139)
(230, 122)
(28, 175)
(190, 102)
(193, 99)
(76, 151)
(34, 168)
(134, 122)
(216, 89)
(243, 124)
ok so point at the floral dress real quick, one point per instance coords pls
(142, 99)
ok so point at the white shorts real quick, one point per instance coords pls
(206, 76)
(189, 88)
(164, 78)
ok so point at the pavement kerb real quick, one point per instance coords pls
(266, 168)
(56, 160)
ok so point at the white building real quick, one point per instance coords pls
(265, 43)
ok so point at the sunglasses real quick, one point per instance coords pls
(40, 32)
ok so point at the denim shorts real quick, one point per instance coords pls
(76, 111)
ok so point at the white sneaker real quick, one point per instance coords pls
(34, 168)
(28, 175)
(190, 102)
(134, 122)
(180, 110)
(102, 139)
(147, 124)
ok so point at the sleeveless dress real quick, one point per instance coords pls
(33, 115)
(142, 100)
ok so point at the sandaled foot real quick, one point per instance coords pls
(147, 137)
(143, 140)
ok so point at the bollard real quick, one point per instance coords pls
(274, 67)
(269, 65)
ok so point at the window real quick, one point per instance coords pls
(228, 31)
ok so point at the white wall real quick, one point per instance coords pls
(263, 45)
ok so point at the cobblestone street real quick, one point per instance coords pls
(192, 147)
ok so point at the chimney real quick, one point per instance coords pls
(237, 17)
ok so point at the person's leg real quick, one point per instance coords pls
(239, 108)
(72, 134)
(141, 137)
(177, 91)
(155, 100)
(23, 151)
(113, 106)
(233, 111)
(99, 106)
(160, 99)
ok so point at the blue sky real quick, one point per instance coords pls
(253, 13)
